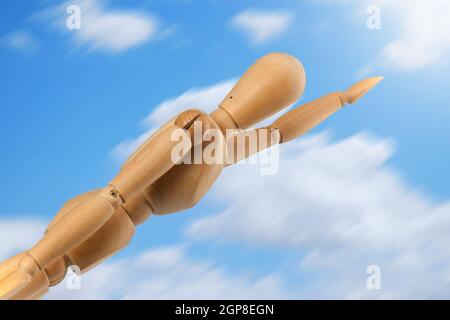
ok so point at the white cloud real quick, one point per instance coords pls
(343, 208)
(104, 29)
(158, 273)
(425, 35)
(167, 273)
(422, 31)
(206, 99)
(262, 26)
(21, 40)
(17, 235)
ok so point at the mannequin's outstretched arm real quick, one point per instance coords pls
(294, 123)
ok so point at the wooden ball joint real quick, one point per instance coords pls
(93, 226)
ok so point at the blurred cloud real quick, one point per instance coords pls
(102, 28)
(21, 40)
(422, 34)
(344, 208)
(158, 273)
(206, 99)
(261, 26)
(168, 273)
(17, 235)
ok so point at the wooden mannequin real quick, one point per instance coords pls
(95, 225)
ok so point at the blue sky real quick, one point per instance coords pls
(70, 98)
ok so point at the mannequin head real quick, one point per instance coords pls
(272, 83)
